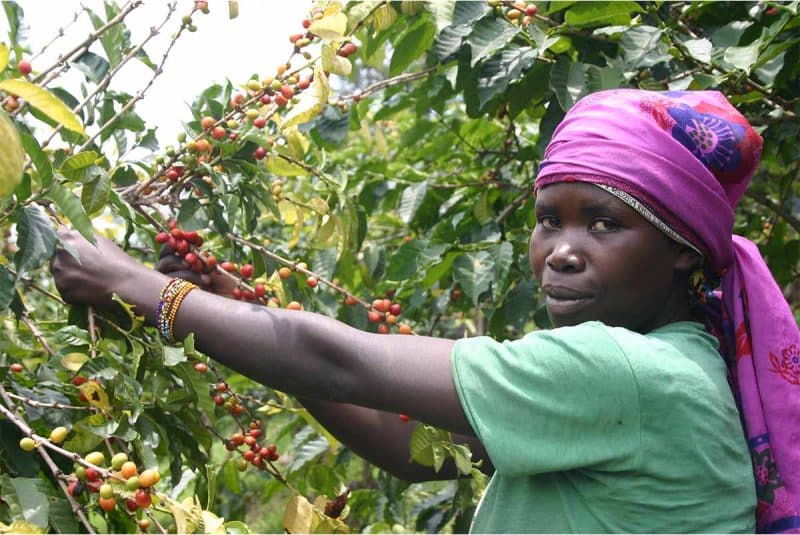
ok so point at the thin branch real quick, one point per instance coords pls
(10, 413)
(49, 405)
(516, 203)
(61, 32)
(37, 334)
(763, 200)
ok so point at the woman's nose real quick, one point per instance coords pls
(565, 259)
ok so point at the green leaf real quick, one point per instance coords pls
(93, 66)
(44, 101)
(463, 458)
(590, 14)
(474, 271)
(443, 12)
(411, 258)
(12, 157)
(412, 198)
(699, 49)
(38, 158)
(115, 39)
(427, 446)
(502, 69)
(488, 35)
(173, 355)
(94, 195)
(601, 78)
(36, 239)
(503, 255)
(568, 82)
(282, 167)
(62, 519)
(7, 290)
(742, 57)
(411, 44)
(643, 46)
(33, 499)
(75, 167)
(68, 203)
(449, 40)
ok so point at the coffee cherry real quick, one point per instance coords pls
(132, 483)
(92, 474)
(306, 23)
(404, 329)
(260, 153)
(16, 368)
(106, 491)
(190, 258)
(76, 488)
(249, 455)
(404, 418)
(218, 132)
(94, 486)
(118, 460)
(207, 122)
(128, 470)
(131, 505)
(80, 472)
(24, 67)
(374, 316)
(348, 49)
(247, 271)
(350, 300)
(201, 367)
(531, 10)
(173, 174)
(228, 266)
(96, 458)
(219, 400)
(255, 433)
(395, 309)
(143, 499)
(260, 122)
(281, 101)
(237, 438)
(311, 281)
(260, 290)
(162, 237)
(287, 91)
(149, 477)
(237, 99)
(182, 246)
(391, 319)
(383, 328)
(222, 387)
(27, 444)
(294, 305)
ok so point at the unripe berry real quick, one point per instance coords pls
(132, 483)
(106, 491)
(58, 435)
(128, 470)
(27, 444)
(118, 460)
(96, 458)
(144, 524)
(294, 305)
(149, 477)
(254, 85)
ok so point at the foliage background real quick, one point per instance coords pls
(411, 174)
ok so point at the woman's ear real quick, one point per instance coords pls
(687, 260)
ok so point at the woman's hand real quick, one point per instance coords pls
(211, 280)
(98, 274)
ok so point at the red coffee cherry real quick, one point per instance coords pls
(162, 237)
(247, 271)
(201, 367)
(24, 67)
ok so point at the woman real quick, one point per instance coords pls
(620, 418)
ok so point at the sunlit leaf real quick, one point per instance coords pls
(312, 102)
(74, 361)
(334, 63)
(331, 27)
(12, 158)
(44, 101)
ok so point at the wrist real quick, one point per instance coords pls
(142, 289)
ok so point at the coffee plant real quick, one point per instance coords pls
(383, 175)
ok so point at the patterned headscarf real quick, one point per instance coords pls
(683, 161)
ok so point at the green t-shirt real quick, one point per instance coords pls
(600, 429)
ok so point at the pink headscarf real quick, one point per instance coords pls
(683, 160)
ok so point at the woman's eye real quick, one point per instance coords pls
(603, 225)
(548, 222)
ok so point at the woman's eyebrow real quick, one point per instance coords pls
(600, 206)
(544, 207)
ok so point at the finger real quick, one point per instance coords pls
(171, 263)
(166, 250)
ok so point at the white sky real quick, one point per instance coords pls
(255, 42)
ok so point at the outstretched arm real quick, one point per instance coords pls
(303, 353)
(382, 439)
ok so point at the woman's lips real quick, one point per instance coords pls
(562, 301)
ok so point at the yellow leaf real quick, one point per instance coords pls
(96, 395)
(299, 516)
(74, 361)
(44, 101)
(12, 157)
(330, 27)
(297, 143)
(288, 212)
(334, 63)
(281, 167)
(233, 9)
(212, 524)
(383, 17)
(269, 410)
(3, 56)
(312, 102)
(21, 526)
(319, 205)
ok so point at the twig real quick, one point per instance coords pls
(516, 203)
(37, 333)
(140, 94)
(9, 413)
(61, 32)
(765, 201)
(82, 47)
(46, 404)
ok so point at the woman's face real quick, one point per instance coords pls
(596, 258)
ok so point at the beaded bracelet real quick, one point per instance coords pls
(170, 301)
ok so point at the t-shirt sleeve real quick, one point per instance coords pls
(554, 400)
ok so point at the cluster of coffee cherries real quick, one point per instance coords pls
(516, 12)
(253, 451)
(181, 241)
(124, 483)
(384, 312)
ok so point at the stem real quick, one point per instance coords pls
(9, 413)
(51, 405)
(763, 200)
